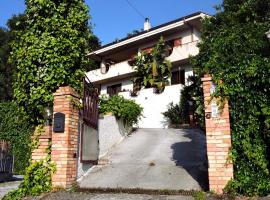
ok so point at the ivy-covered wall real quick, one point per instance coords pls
(236, 52)
(16, 129)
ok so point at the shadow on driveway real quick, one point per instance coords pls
(192, 156)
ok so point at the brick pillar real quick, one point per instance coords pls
(64, 144)
(44, 141)
(218, 139)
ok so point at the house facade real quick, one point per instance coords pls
(114, 77)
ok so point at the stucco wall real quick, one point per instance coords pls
(111, 132)
(155, 104)
(126, 85)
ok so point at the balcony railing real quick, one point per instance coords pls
(123, 68)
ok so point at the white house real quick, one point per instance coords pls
(115, 73)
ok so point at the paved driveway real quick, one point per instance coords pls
(154, 159)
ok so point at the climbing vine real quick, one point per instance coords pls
(37, 179)
(236, 52)
(50, 52)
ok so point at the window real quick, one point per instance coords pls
(114, 89)
(178, 77)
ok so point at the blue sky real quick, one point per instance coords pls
(113, 19)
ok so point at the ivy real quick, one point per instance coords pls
(236, 52)
(37, 179)
(16, 129)
(50, 52)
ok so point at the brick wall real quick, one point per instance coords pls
(218, 139)
(64, 145)
(44, 141)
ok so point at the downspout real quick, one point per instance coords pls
(191, 29)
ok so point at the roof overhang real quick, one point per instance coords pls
(190, 20)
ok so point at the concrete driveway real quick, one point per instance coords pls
(159, 159)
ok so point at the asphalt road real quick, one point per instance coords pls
(160, 159)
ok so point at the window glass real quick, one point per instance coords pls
(114, 89)
(178, 77)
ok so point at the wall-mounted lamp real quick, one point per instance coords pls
(48, 115)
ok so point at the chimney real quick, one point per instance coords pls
(147, 24)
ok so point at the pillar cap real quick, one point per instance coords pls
(206, 77)
(66, 90)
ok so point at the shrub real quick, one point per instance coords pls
(179, 113)
(124, 109)
(173, 114)
(16, 129)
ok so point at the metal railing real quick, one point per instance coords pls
(6, 159)
(90, 104)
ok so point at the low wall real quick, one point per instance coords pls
(111, 132)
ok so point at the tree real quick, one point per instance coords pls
(51, 52)
(7, 69)
(236, 52)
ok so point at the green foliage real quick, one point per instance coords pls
(134, 32)
(7, 69)
(236, 51)
(179, 113)
(173, 113)
(37, 180)
(124, 109)
(193, 93)
(199, 196)
(152, 69)
(51, 52)
(15, 128)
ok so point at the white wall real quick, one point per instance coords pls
(110, 131)
(155, 104)
(126, 85)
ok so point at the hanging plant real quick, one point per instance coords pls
(152, 69)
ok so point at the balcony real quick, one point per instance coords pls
(184, 51)
(122, 70)
(115, 71)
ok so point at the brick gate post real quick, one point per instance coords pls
(64, 143)
(218, 139)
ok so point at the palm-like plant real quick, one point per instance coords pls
(152, 69)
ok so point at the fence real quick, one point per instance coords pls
(6, 159)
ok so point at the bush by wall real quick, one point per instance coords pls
(15, 128)
(122, 108)
(179, 113)
(173, 114)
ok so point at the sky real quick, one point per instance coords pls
(113, 19)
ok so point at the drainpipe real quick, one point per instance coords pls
(191, 29)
